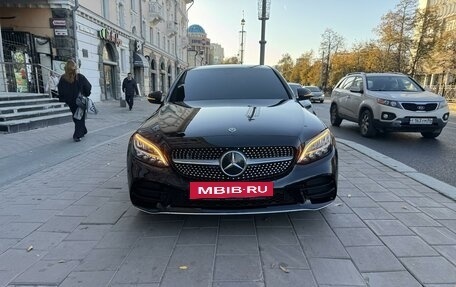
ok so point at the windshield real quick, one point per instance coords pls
(392, 83)
(228, 84)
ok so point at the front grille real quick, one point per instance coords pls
(419, 107)
(260, 171)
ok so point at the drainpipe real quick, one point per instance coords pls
(3, 84)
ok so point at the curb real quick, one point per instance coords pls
(437, 185)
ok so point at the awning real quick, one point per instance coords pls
(140, 61)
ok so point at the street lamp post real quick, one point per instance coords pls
(264, 7)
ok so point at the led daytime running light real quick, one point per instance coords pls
(316, 147)
(145, 147)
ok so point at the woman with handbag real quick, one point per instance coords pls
(73, 87)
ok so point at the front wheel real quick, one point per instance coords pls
(431, 135)
(366, 124)
(334, 115)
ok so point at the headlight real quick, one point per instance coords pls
(389, 103)
(316, 148)
(443, 104)
(148, 151)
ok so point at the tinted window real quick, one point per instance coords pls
(229, 83)
(347, 83)
(295, 87)
(392, 83)
(314, 89)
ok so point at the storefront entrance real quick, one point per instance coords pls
(109, 70)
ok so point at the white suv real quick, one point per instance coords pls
(388, 102)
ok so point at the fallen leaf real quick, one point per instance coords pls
(283, 267)
(61, 261)
(338, 204)
(349, 195)
(183, 267)
(404, 207)
(30, 248)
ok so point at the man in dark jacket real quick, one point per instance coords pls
(130, 89)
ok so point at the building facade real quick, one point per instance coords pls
(199, 46)
(108, 38)
(439, 74)
(217, 54)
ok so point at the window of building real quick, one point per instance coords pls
(121, 15)
(144, 28)
(158, 39)
(163, 43)
(133, 5)
(151, 35)
(105, 9)
(168, 46)
(123, 59)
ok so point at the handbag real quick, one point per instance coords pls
(91, 108)
(81, 101)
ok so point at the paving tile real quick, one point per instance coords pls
(294, 277)
(405, 192)
(337, 207)
(71, 250)
(109, 213)
(165, 228)
(237, 227)
(202, 221)
(88, 232)
(61, 224)
(416, 219)
(431, 270)
(6, 244)
(323, 247)
(448, 251)
(175, 277)
(344, 220)
(238, 284)
(103, 260)
(357, 236)
(46, 272)
(291, 255)
(17, 230)
(398, 207)
(312, 228)
(384, 260)
(133, 224)
(380, 197)
(406, 246)
(357, 201)
(335, 272)
(22, 261)
(237, 244)
(422, 202)
(388, 227)
(277, 235)
(306, 215)
(397, 278)
(436, 235)
(439, 213)
(41, 240)
(273, 220)
(87, 279)
(372, 213)
(78, 210)
(237, 267)
(118, 239)
(42, 216)
(199, 235)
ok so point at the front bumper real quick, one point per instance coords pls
(163, 190)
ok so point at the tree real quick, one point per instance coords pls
(427, 34)
(285, 66)
(231, 60)
(330, 43)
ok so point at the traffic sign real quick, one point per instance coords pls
(55, 22)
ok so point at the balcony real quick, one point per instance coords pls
(156, 14)
(171, 28)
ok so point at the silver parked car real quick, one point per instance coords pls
(306, 103)
(317, 94)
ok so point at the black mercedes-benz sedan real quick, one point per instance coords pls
(231, 139)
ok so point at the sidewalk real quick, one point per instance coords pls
(388, 227)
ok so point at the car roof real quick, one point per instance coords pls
(229, 66)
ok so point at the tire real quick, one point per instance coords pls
(334, 116)
(431, 135)
(366, 124)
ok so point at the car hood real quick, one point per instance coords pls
(285, 122)
(407, 96)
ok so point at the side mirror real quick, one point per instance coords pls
(155, 97)
(304, 94)
(356, 89)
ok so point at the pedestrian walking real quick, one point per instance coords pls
(51, 86)
(70, 85)
(130, 88)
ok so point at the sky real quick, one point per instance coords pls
(294, 26)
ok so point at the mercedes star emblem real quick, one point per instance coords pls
(233, 163)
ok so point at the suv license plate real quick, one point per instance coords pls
(420, 121)
(217, 190)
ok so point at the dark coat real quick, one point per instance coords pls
(129, 87)
(69, 91)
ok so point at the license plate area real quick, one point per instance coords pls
(222, 189)
(421, 121)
